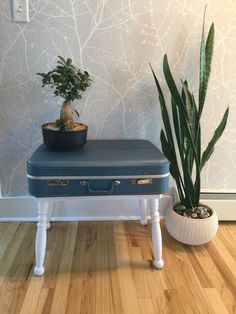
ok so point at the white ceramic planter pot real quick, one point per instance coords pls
(191, 231)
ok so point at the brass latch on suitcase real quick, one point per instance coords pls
(142, 181)
(57, 182)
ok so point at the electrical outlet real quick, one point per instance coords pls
(20, 11)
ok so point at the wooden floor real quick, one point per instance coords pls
(106, 267)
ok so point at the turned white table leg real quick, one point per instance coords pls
(50, 209)
(143, 211)
(156, 233)
(41, 236)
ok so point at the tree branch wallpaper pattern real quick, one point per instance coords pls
(115, 41)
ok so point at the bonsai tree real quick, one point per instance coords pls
(68, 82)
(181, 137)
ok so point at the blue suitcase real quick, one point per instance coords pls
(100, 167)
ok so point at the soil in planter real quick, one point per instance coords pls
(76, 127)
(198, 212)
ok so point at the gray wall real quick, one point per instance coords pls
(115, 41)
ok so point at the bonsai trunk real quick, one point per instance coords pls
(66, 116)
(66, 121)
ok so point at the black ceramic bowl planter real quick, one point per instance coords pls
(58, 139)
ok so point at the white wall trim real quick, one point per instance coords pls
(79, 209)
(223, 201)
(25, 208)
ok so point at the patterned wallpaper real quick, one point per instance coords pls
(115, 41)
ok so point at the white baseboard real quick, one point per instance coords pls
(25, 209)
(223, 201)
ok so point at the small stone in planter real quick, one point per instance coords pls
(209, 211)
(205, 215)
(180, 208)
(198, 211)
(194, 215)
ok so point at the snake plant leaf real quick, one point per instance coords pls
(209, 51)
(170, 155)
(177, 125)
(191, 109)
(187, 159)
(197, 184)
(193, 120)
(206, 56)
(189, 186)
(202, 71)
(182, 128)
(168, 152)
(166, 147)
(176, 96)
(172, 86)
(164, 113)
(185, 162)
(217, 134)
(187, 131)
(183, 93)
(179, 133)
(174, 169)
(197, 129)
(183, 111)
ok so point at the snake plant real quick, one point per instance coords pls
(181, 136)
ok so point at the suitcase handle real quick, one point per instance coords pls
(110, 190)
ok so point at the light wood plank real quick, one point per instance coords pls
(226, 256)
(146, 306)
(32, 295)
(103, 289)
(215, 301)
(140, 268)
(60, 297)
(228, 237)
(45, 295)
(125, 274)
(81, 298)
(106, 267)
(224, 270)
(14, 269)
(214, 276)
(7, 231)
(187, 285)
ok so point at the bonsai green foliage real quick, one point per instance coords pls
(181, 143)
(67, 80)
